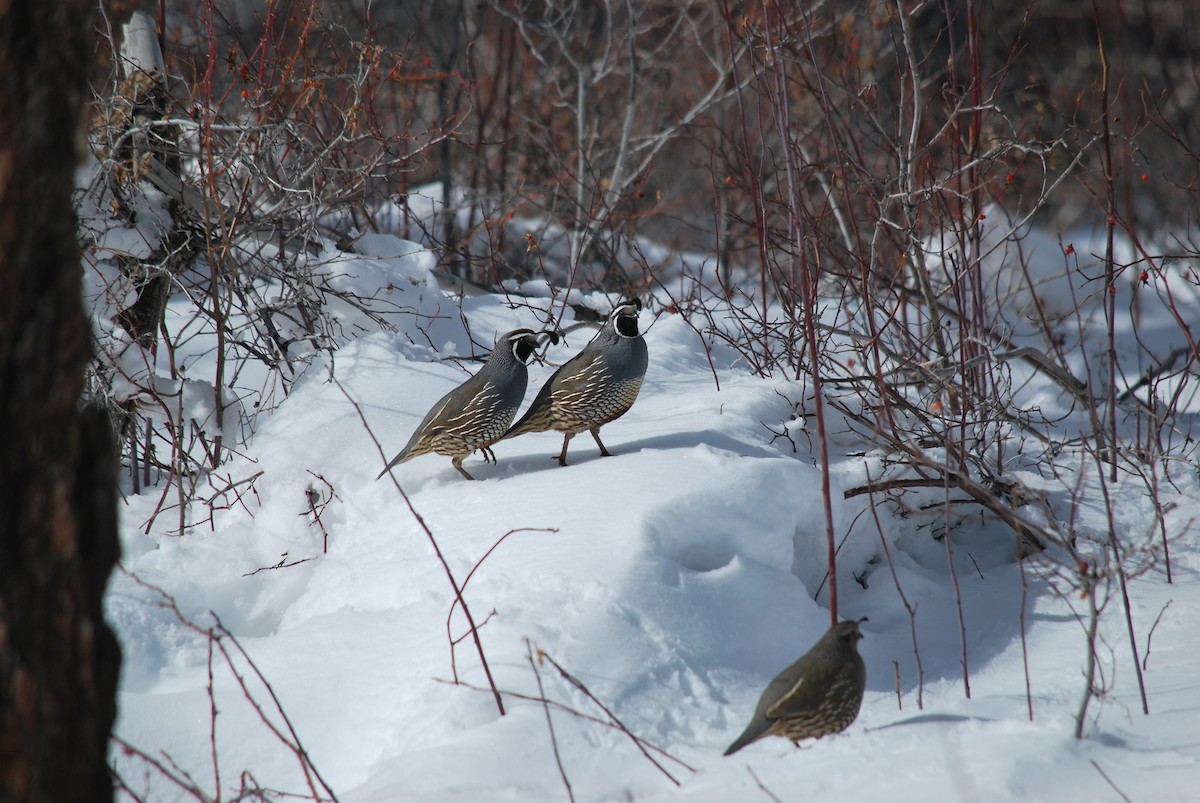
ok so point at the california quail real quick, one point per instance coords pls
(818, 695)
(596, 386)
(476, 413)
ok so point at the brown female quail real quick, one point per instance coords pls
(818, 695)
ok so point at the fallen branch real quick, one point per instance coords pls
(218, 638)
(549, 722)
(454, 641)
(617, 723)
(1150, 635)
(516, 695)
(1031, 534)
(487, 670)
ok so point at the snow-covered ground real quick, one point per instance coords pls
(673, 580)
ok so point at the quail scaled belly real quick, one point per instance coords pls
(596, 386)
(476, 413)
(818, 695)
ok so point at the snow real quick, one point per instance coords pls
(673, 580)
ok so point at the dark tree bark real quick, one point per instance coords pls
(58, 538)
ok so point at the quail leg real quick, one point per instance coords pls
(596, 434)
(562, 457)
(457, 461)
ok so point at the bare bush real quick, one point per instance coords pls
(899, 277)
(231, 180)
(138, 769)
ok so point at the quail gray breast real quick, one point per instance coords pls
(476, 413)
(818, 695)
(596, 386)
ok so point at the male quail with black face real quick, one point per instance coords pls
(596, 386)
(475, 414)
(818, 695)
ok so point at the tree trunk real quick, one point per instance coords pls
(58, 537)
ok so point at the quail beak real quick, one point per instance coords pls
(546, 338)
